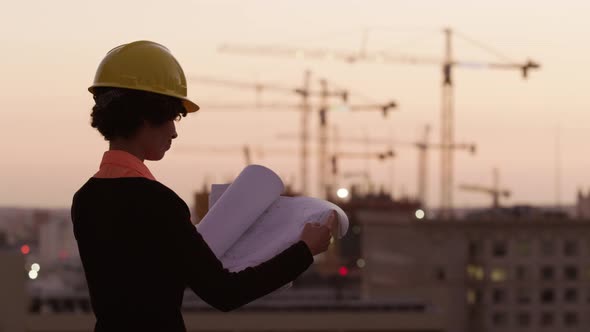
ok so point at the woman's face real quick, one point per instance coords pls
(156, 140)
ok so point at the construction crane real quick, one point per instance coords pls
(495, 191)
(422, 146)
(304, 92)
(323, 174)
(248, 151)
(324, 94)
(448, 63)
(363, 155)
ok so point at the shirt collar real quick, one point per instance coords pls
(124, 159)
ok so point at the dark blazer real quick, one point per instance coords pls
(140, 251)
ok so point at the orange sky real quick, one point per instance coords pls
(51, 50)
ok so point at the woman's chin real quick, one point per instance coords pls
(155, 157)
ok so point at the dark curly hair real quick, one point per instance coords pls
(120, 112)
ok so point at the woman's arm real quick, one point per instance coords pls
(226, 290)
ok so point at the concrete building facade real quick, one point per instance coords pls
(518, 274)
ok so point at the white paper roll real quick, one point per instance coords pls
(252, 192)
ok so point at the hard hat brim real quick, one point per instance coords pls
(190, 106)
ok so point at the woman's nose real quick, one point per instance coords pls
(174, 133)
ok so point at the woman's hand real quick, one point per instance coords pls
(317, 237)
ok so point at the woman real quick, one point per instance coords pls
(137, 244)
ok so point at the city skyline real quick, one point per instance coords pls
(53, 50)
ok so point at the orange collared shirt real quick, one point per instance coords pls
(122, 164)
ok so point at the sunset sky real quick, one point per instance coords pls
(50, 51)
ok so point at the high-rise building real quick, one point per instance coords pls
(583, 205)
(527, 273)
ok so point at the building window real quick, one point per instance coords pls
(498, 274)
(570, 248)
(570, 295)
(570, 319)
(570, 272)
(499, 249)
(498, 296)
(478, 296)
(547, 248)
(475, 272)
(524, 248)
(523, 319)
(499, 319)
(440, 274)
(547, 273)
(521, 273)
(547, 318)
(474, 296)
(523, 296)
(474, 248)
(547, 296)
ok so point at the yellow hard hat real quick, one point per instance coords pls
(143, 65)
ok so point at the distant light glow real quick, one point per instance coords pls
(360, 263)
(33, 274)
(342, 193)
(420, 214)
(35, 267)
(25, 249)
(343, 271)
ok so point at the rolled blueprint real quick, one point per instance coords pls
(240, 205)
